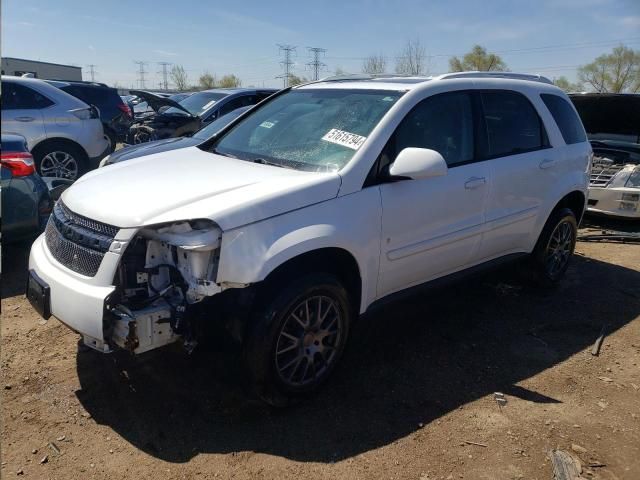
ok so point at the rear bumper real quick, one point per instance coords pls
(94, 162)
(76, 301)
(617, 202)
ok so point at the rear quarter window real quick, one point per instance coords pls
(566, 118)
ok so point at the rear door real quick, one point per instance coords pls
(22, 112)
(522, 168)
(432, 227)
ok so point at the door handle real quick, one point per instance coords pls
(25, 119)
(547, 163)
(474, 182)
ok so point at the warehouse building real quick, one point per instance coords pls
(52, 71)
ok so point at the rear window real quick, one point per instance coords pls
(513, 124)
(566, 118)
(92, 95)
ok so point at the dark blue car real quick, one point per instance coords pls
(26, 203)
(158, 146)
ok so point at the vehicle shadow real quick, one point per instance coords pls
(15, 261)
(409, 364)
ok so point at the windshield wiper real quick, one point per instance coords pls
(262, 161)
(223, 154)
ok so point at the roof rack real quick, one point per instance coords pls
(369, 76)
(510, 75)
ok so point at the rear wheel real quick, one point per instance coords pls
(555, 247)
(61, 160)
(297, 338)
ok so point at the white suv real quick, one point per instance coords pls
(311, 209)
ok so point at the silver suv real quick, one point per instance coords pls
(63, 133)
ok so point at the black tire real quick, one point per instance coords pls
(111, 136)
(48, 153)
(265, 349)
(552, 254)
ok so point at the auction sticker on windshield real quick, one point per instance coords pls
(346, 139)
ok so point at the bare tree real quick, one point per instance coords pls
(207, 81)
(478, 59)
(179, 77)
(295, 80)
(374, 64)
(616, 72)
(413, 59)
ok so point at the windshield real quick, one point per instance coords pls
(308, 129)
(198, 103)
(218, 124)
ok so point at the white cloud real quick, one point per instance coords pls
(26, 24)
(165, 53)
(631, 21)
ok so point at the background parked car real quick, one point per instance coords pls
(158, 146)
(612, 122)
(115, 114)
(64, 134)
(26, 203)
(174, 119)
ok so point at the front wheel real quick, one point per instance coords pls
(555, 247)
(296, 339)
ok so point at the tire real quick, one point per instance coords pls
(111, 136)
(61, 160)
(289, 356)
(552, 254)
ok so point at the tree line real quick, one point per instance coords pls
(615, 72)
(207, 80)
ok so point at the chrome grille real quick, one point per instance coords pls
(73, 256)
(602, 173)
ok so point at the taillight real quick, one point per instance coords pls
(20, 164)
(125, 109)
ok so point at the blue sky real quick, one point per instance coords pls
(551, 37)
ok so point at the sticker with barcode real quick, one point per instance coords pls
(346, 139)
(267, 124)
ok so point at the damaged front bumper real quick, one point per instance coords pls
(145, 289)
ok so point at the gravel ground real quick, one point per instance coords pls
(414, 397)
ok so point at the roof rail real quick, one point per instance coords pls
(511, 75)
(368, 76)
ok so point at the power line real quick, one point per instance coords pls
(141, 72)
(316, 64)
(164, 84)
(286, 63)
(92, 72)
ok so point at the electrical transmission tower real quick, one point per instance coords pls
(92, 72)
(165, 74)
(287, 63)
(141, 72)
(316, 64)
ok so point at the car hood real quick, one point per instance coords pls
(158, 146)
(609, 113)
(189, 184)
(156, 102)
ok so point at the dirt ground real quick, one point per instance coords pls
(415, 389)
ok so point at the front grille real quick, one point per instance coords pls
(77, 242)
(98, 227)
(602, 172)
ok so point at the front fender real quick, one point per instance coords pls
(250, 253)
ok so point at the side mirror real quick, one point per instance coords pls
(417, 163)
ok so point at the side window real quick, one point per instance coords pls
(566, 118)
(15, 97)
(242, 101)
(512, 122)
(443, 123)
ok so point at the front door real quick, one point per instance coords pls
(432, 227)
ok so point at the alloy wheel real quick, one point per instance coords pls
(309, 341)
(59, 164)
(559, 248)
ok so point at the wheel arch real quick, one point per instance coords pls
(332, 260)
(574, 201)
(57, 140)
